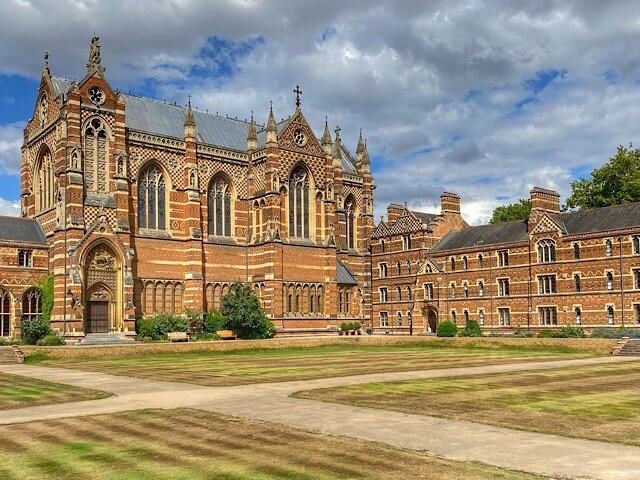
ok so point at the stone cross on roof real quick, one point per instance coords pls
(298, 92)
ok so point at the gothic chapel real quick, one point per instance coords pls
(151, 207)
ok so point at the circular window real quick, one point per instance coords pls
(96, 96)
(299, 137)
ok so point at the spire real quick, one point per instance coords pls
(252, 135)
(94, 64)
(360, 148)
(326, 136)
(272, 128)
(189, 121)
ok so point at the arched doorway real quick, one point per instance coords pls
(103, 290)
(432, 320)
(99, 309)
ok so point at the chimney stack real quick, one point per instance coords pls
(543, 200)
(450, 203)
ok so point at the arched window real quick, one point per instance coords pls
(409, 267)
(481, 289)
(382, 246)
(43, 110)
(453, 290)
(576, 251)
(465, 288)
(546, 251)
(31, 305)
(578, 313)
(5, 313)
(399, 289)
(577, 282)
(480, 261)
(95, 156)
(609, 281)
(409, 294)
(465, 263)
(399, 268)
(299, 203)
(152, 199)
(608, 248)
(453, 264)
(44, 181)
(350, 218)
(610, 317)
(219, 206)
(466, 316)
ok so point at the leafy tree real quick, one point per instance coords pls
(512, 212)
(243, 313)
(616, 182)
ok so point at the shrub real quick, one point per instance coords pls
(568, 332)
(447, 329)
(33, 330)
(345, 326)
(213, 322)
(244, 315)
(51, 340)
(206, 337)
(157, 326)
(471, 329)
(356, 326)
(45, 287)
(195, 322)
(545, 334)
(604, 332)
(523, 334)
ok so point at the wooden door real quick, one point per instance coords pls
(98, 317)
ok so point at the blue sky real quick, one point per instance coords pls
(485, 98)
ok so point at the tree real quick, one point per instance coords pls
(512, 212)
(243, 314)
(616, 182)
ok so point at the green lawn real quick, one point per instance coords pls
(194, 445)
(599, 402)
(17, 392)
(274, 365)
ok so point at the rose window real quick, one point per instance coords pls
(299, 137)
(96, 96)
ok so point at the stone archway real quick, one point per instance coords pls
(103, 290)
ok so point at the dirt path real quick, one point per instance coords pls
(532, 452)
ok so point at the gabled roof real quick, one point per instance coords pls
(499, 233)
(21, 230)
(345, 277)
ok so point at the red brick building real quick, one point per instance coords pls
(151, 207)
(553, 269)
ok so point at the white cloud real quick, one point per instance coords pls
(435, 85)
(10, 143)
(9, 207)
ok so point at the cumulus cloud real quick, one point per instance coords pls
(10, 143)
(483, 98)
(8, 207)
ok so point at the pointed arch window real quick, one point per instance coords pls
(152, 199)
(350, 218)
(44, 181)
(95, 156)
(31, 305)
(299, 203)
(546, 251)
(219, 207)
(5, 313)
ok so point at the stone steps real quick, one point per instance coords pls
(105, 339)
(8, 356)
(631, 348)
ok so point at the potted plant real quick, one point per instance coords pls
(344, 328)
(357, 326)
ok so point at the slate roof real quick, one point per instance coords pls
(509, 232)
(345, 277)
(21, 230)
(615, 217)
(425, 217)
(603, 219)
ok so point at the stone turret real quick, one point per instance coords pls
(252, 136)
(272, 129)
(189, 123)
(327, 143)
(363, 162)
